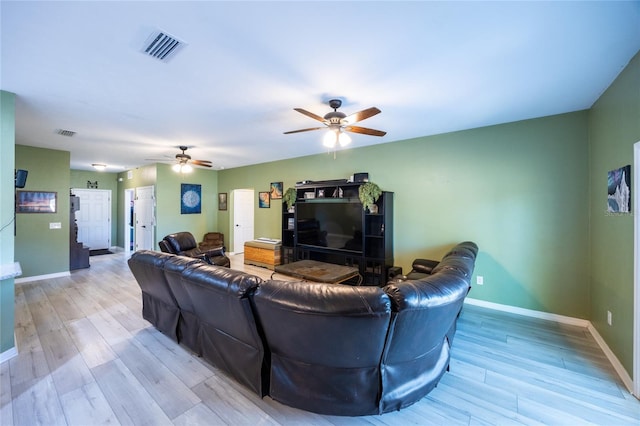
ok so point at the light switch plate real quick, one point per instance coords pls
(55, 225)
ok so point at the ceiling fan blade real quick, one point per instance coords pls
(365, 131)
(361, 115)
(310, 114)
(304, 130)
(160, 160)
(202, 163)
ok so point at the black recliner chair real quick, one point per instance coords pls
(184, 244)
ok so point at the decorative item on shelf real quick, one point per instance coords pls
(289, 198)
(369, 193)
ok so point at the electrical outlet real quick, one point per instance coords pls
(480, 280)
(609, 318)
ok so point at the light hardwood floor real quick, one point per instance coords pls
(87, 357)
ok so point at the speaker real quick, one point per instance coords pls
(361, 177)
(21, 178)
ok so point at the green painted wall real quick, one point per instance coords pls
(41, 250)
(614, 126)
(167, 185)
(105, 180)
(519, 190)
(7, 164)
(168, 195)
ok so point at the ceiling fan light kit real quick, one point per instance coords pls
(182, 168)
(184, 163)
(338, 123)
(333, 138)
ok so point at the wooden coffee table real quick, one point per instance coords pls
(313, 270)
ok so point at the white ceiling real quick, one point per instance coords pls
(431, 67)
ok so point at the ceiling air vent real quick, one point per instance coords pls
(63, 132)
(162, 46)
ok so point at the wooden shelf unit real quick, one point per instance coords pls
(374, 255)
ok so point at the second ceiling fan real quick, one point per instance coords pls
(339, 122)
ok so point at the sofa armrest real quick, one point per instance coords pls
(424, 266)
(212, 252)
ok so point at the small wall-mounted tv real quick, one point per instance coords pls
(21, 178)
(329, 224)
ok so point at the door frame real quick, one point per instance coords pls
(129, 196)
(636, 269)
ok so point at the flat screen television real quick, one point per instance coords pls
(329, 224)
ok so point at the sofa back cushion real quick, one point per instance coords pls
(417, 353)
(325, 341)
(159, 305)
(188, 324)
(228, 333)
(181, 241)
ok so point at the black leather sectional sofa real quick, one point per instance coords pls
(327, 348)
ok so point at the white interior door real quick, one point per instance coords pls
(94, 217)
(143, 210)
(129, 228)
(243, 205)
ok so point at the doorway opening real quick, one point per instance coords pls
(129, 227)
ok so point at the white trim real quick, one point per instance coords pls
(636, 269)
(9, 353)
(529, 312)
(624, 376)
(42, 277)
(617, 365)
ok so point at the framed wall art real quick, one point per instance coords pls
(36, 202)
(222, 201)
(619, 190)
(276, 190)
(264, 202)
(190, 198)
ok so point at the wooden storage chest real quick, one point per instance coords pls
(262, 254)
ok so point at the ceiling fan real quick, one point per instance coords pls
(184, 162)
(338, 123)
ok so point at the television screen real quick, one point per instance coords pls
(336, 225)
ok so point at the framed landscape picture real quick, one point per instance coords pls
(36, 202)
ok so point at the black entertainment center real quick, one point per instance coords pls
(328, 224)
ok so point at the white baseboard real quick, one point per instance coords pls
(529, 312)
(42, 277)
(617, 366)
(9, 353)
